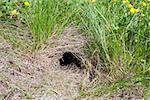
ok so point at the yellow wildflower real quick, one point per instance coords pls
(126, 1)
(133, 10)
(137, 10)
(14, 12)
(130, 5)
(26, 3)
(143, 4)
(114, 1)
(93, 1)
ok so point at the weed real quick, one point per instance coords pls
(120, 35)
(46, 17)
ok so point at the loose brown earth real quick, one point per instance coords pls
(39, 76)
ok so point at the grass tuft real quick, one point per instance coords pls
(120, 38)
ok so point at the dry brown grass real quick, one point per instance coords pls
(40, 77)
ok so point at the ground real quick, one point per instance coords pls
(39, 76)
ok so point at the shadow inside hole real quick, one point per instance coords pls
(70, 59)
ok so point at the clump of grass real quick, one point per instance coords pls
(42, 19)
(120, 37)
(46, 17)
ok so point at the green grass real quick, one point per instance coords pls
(121, 39)
(43, 19)
(48, 17)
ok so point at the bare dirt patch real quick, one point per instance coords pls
(40, 76)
